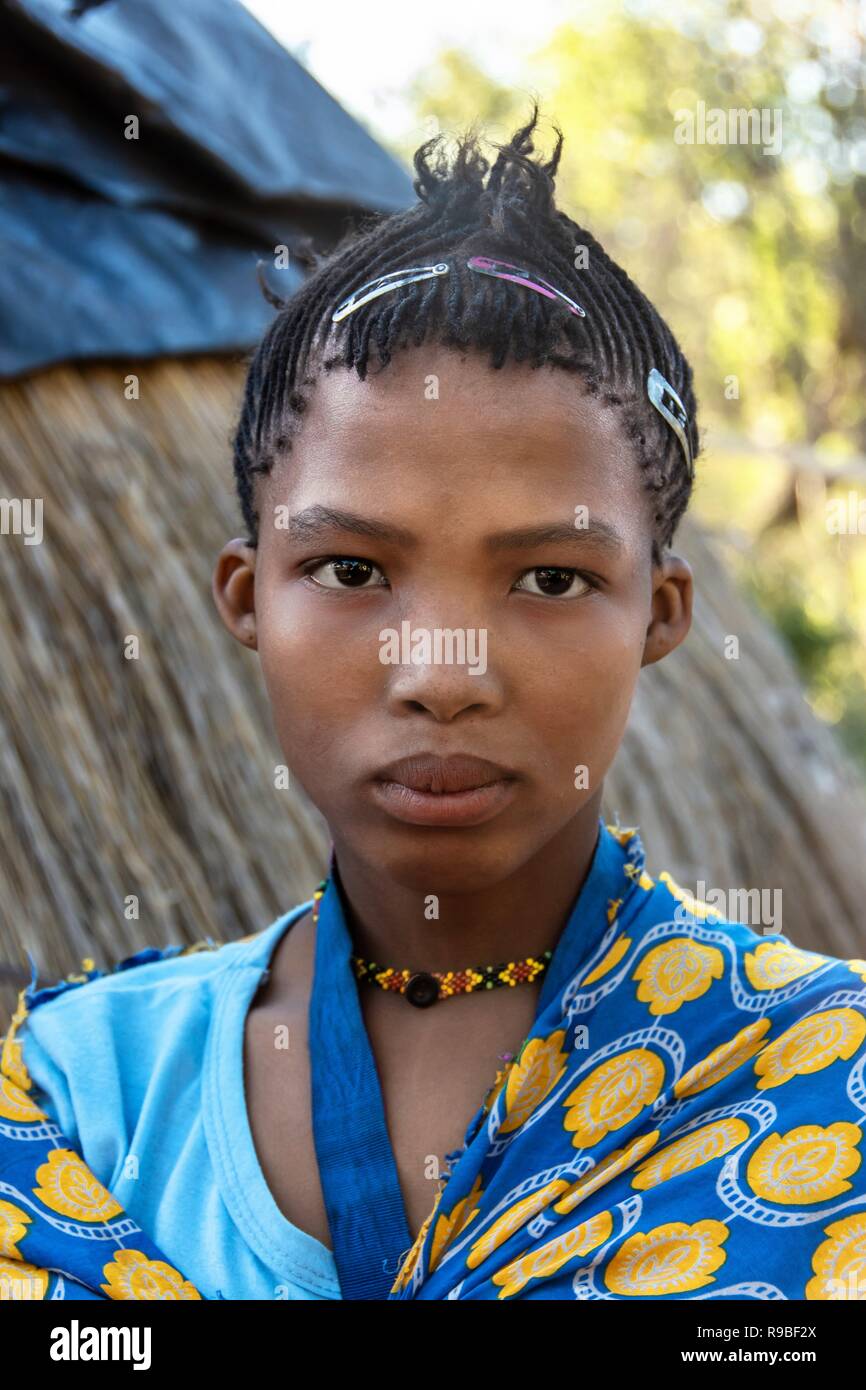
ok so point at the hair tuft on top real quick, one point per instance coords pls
(467, 206)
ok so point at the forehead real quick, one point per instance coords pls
(439, 428)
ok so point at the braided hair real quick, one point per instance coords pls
(513, 217)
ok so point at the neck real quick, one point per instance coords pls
(521, 915)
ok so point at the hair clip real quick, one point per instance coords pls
(669, 405)
(487, 266)
(392, 281)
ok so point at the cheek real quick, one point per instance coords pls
(318, 688)
(577, 692)
(597, 646)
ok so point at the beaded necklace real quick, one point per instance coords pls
(424, 987)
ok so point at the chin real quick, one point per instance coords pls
(453, 861)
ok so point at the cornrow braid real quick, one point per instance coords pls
(510, 216)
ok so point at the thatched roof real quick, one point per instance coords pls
(155, 776)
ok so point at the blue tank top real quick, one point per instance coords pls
(142, 1069)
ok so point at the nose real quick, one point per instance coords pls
(442, 672)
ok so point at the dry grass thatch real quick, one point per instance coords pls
(155, 776)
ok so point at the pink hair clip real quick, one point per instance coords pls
(503, 271)
(660, 392)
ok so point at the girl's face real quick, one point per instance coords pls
(502, 508)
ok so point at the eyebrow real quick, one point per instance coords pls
(316, 520)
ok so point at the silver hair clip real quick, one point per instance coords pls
(669, 405)
(661, 393)
(383, 283)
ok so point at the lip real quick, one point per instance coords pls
(429, 790)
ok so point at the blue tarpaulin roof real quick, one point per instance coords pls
(141, 246)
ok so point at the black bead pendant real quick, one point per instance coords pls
(422, 989)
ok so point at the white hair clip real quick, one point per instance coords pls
(383, 283)
(661, 393)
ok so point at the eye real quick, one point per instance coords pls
(553, 581)
(344, 572)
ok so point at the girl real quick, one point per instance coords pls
(493, 1057)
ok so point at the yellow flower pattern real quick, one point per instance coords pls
(16, 1105)
(131, 1275)
(808, 1164)
(512, 1220)
(551, 1257)
(610, 1167)
(610, 962)
(676, 973)
(533, 1076)
(709, 1140)
(612, 1095)
(67, 1186)
(13, 1225)
(776, 963)
(723, 1060)
(447, 1227)
(20, 1280)
(700, 1146)
(673, 1258)
(810, 1045)
(840, 1262)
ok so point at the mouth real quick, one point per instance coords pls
(430, 790)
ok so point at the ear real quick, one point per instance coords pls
(234, 590)
(673, 595)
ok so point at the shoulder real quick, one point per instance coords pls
(157, 1000)
(687, 944)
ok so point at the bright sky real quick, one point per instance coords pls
(366, 54)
